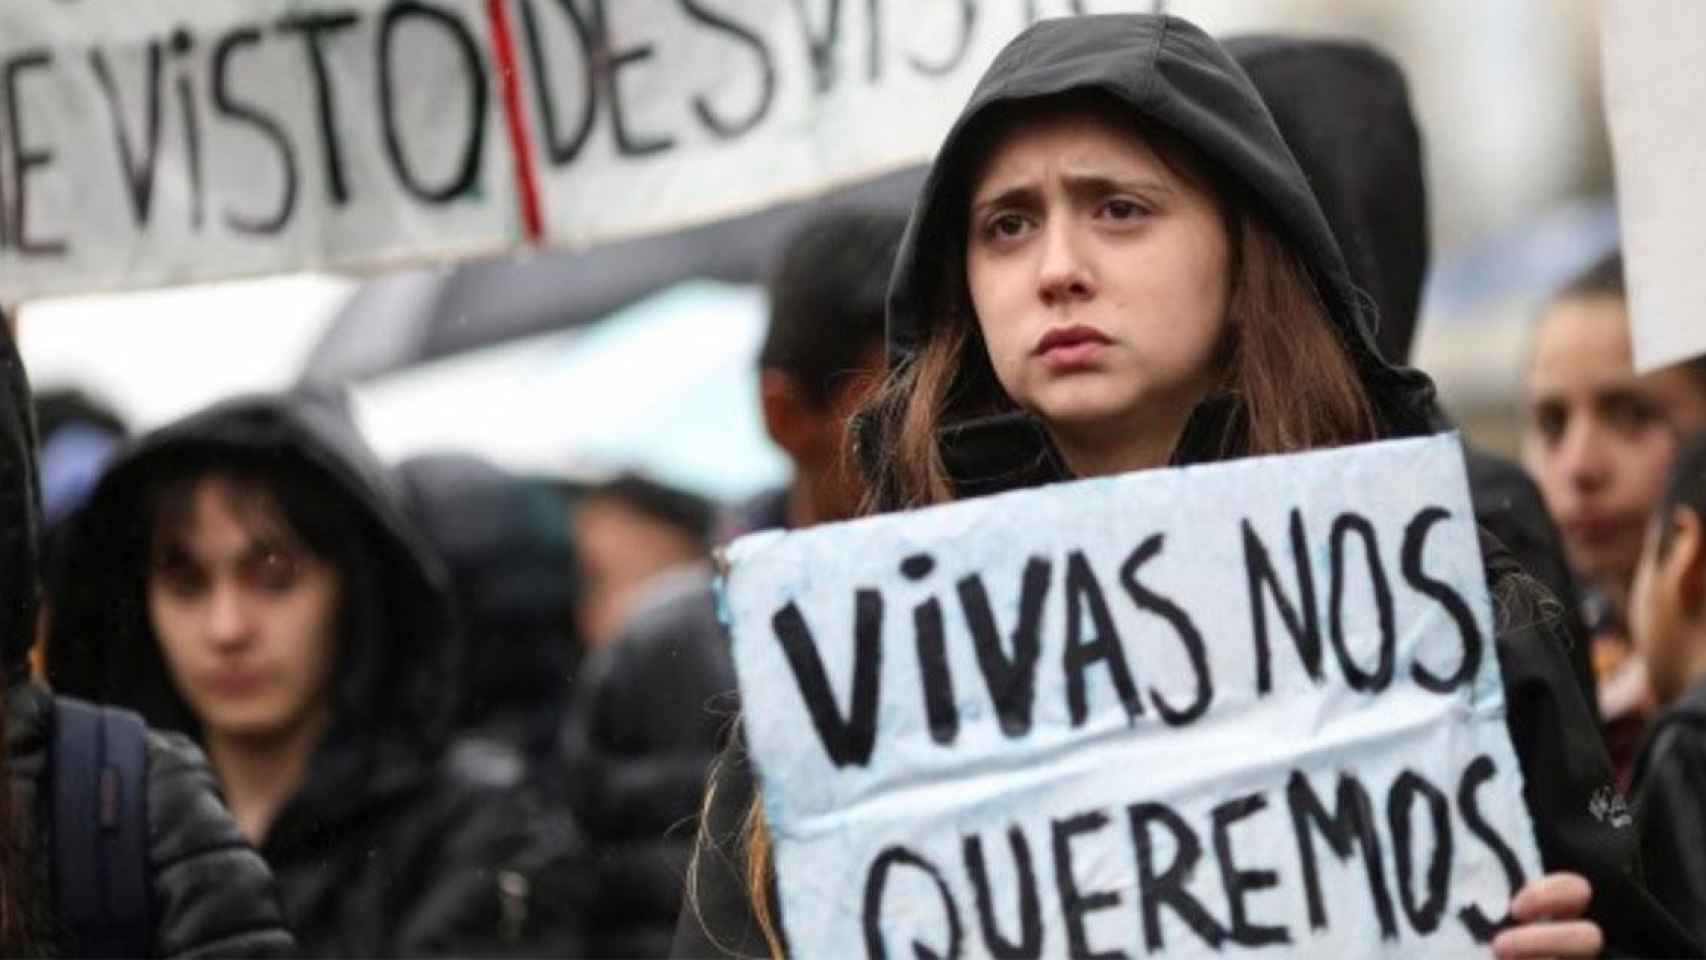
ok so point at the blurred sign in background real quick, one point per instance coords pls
(1508, 97)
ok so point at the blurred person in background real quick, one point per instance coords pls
(1343, 108)
(505, 542)
(628, 531)
(201, 889)
(1598, 439)
(247, 576)
(1667, 611)
(638, 772)
(822, 353)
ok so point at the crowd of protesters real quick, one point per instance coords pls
(443, 709)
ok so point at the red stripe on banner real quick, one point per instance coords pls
(521, 145)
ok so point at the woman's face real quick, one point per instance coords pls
(1099, 277)
(246, 616)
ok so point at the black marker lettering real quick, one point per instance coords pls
(1167, 610)
(468, 168)
(1424, 917)
(848, 741)
(933, 664)
(227, 106)
(946, 65)
(1168, 887)
(1415, 539)
(628, 143)
(722, 127)
(314, 27)
(1030, 945)
(1074, 903)
(1378, 679)
(563, 150)
(877, 879)
(138, 171)
(1305, 631)
(1083, 591)
(1474, 919)
(23, 158)
(1012, 681)
(183, 44)
(1240, 882)
(1350, 827)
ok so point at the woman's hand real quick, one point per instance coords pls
(1548, 921)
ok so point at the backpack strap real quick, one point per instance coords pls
(100, 829)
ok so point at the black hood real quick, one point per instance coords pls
(1344, 110)
(505, 541)
(1172, 74)
(20, 510)
(394, 683)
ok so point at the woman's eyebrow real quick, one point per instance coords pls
(1018, 194)
(1099, 183)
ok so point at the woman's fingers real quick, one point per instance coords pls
(1572, 938)
(1556, 896)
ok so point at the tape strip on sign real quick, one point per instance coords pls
(1196, 710)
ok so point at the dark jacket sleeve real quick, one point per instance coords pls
(213, 894)
(717, 919)
(1580, 820)
(1670, 800)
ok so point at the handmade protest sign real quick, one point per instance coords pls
(1653, 91)
(169, 141)
(154, 142)
(1181, 712)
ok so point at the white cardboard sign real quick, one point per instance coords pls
(156, 142)
(1654, 92)
(1190, 711)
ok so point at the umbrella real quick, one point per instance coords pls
(667, 386)
(416, 316)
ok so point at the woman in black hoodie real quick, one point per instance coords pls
(1114, 265)
(246, 576)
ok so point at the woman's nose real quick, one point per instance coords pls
(1063, 275)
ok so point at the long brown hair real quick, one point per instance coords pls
(1286, 369)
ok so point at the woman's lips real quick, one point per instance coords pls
(235, 683)
(1066, 348)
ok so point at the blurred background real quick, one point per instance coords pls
(534, 362)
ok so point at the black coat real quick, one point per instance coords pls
(380, 852)
(651, 712)
(1670, 802)
(211, 894)
(1172, 74)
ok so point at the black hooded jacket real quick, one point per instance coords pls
(1344, 110)
(1670, 804)
(379, 852)
(210, 893)
(1172, 74)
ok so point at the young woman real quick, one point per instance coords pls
(246, 576)
(1116, 265)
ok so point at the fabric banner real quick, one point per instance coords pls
(1193, 711)
(158, 142)
(1654, 89)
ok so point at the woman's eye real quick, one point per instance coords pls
(1122, 209)
(1006, 226)
(275, 570)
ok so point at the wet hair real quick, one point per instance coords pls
(1604, 280)
(1685, 487)
(690, 514)
(1285, 366)
(322, 520)
(827, 293)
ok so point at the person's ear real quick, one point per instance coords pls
(1685, 564)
